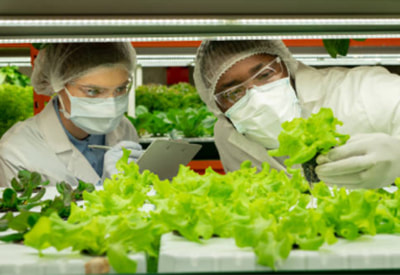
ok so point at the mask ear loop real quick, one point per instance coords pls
(62, 109)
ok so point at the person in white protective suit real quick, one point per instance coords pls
(90, 83)
(253, 86)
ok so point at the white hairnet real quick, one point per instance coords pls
(216, 57)
(59, 63)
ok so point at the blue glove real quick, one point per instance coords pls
(365, 161)
(115, 153)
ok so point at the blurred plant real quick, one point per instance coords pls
(189, 122)
(16, 104)
(40, 46)
(11, 75)
(26, 185)
(163, 98)
(163, 110)
(157, 123)
(337, 47)
(193, 122)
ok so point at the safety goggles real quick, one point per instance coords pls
(267, 74)
(101, 92)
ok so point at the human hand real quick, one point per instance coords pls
(365, 161)
(115, 153)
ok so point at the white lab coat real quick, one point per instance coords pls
(365, 99)
(40, 144)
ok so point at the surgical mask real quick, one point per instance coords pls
(261, 111)
(96, 116)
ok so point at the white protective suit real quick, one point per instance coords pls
(365, 99)
(40, 144)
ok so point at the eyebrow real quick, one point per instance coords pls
(97, 87)
(234, 82)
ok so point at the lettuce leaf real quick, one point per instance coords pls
(301, 139)
(267, 211)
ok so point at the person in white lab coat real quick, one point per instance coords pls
(90, 83)
(253, 86)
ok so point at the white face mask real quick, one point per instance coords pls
(96, 116)
(261, 111)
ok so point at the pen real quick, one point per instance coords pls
(95, 146)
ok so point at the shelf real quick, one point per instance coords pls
(188, 60)
(177, 20)
(211, 7)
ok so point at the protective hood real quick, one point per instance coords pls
(214, 58)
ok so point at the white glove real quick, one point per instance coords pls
(365, 161)
(115, 153)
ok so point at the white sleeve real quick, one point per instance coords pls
(380, 94)
(7, 172)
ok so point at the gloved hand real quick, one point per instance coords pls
(115, 153)
(365, 161)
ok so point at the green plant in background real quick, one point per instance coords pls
(157, 123)
(337, 47)
(187, 122)
(141, 120)
(193, 122)
(163, 98)
(189, 96)
(163, 110)
(11, 75)
(16, 104)
(40, 46)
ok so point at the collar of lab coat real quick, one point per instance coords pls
(250, 147)
(58, 141)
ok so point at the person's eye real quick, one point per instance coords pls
(266, 74)
(236, 94)
(92, 92)
(121, 90)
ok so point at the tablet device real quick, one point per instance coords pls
(163, 157)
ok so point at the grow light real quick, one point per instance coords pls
(185, 60)
(19, 61)
(45, 30)
(82, 22)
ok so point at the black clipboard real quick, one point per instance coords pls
(163, 157)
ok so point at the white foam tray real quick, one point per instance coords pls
(217, 254)
(16, 259)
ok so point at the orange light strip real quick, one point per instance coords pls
(16, 45)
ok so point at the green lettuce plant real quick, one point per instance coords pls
(266, 211)
(25, 193)
(189, 122)
(16, 104)
(337, 47)
(11, 75)
(164, 110)
(193, 122)
(304, 139)
(162, 98)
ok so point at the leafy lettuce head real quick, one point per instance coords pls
(302, 139)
